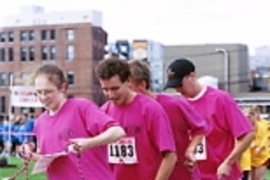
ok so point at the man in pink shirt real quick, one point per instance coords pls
(184, 120)
(230, 132)
(148, 151)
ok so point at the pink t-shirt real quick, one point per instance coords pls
(184, 120)
(227, 123)
(145, 120)
(77, 118)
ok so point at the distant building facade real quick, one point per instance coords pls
(226, 62)
(146, 50)
(73, 40)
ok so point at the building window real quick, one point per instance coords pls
(52, 34)
(23, 54)
(70, 78)
(23, 36)
(43, 35)
(31, 52)
(70, 34)
(31, 35)
(2, 55)
(52, 52)
(44, 52)
(3, 79)
(10, 36)
(10, 78)
(10, 54)
(3, 104)
(32, 110)
(2, 37)
(12, 109)
(70, 52)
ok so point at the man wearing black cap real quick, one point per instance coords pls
(188, 127)
(227, 122)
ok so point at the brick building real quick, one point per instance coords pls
(73, 40)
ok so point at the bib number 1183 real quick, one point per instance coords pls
(123, 151)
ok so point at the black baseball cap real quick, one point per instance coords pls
(177, 70)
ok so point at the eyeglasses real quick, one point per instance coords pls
(45, 93)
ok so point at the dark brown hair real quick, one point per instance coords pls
(108, 68)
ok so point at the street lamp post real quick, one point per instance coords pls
(226, 66)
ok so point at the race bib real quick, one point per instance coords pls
(123, 151)
(200, 153)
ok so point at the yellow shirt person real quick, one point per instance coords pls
(267, 124)
(245, 160)
(259, 146)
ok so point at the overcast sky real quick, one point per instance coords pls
(171, 21)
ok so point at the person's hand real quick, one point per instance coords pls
(223, 171)
(78, 145)
(190, 159)
(26, 150)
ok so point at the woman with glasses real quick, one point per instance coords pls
(74, 121)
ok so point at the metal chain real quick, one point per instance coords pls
(79, 162)
(25, 167)
(24, 170)
(79, 167)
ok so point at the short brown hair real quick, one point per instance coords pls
(140, 72)
(108, 68)
(54, 73)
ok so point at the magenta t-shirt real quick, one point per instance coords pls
(184, 120)
(227, 123)
(77, 118)
(144, 120)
